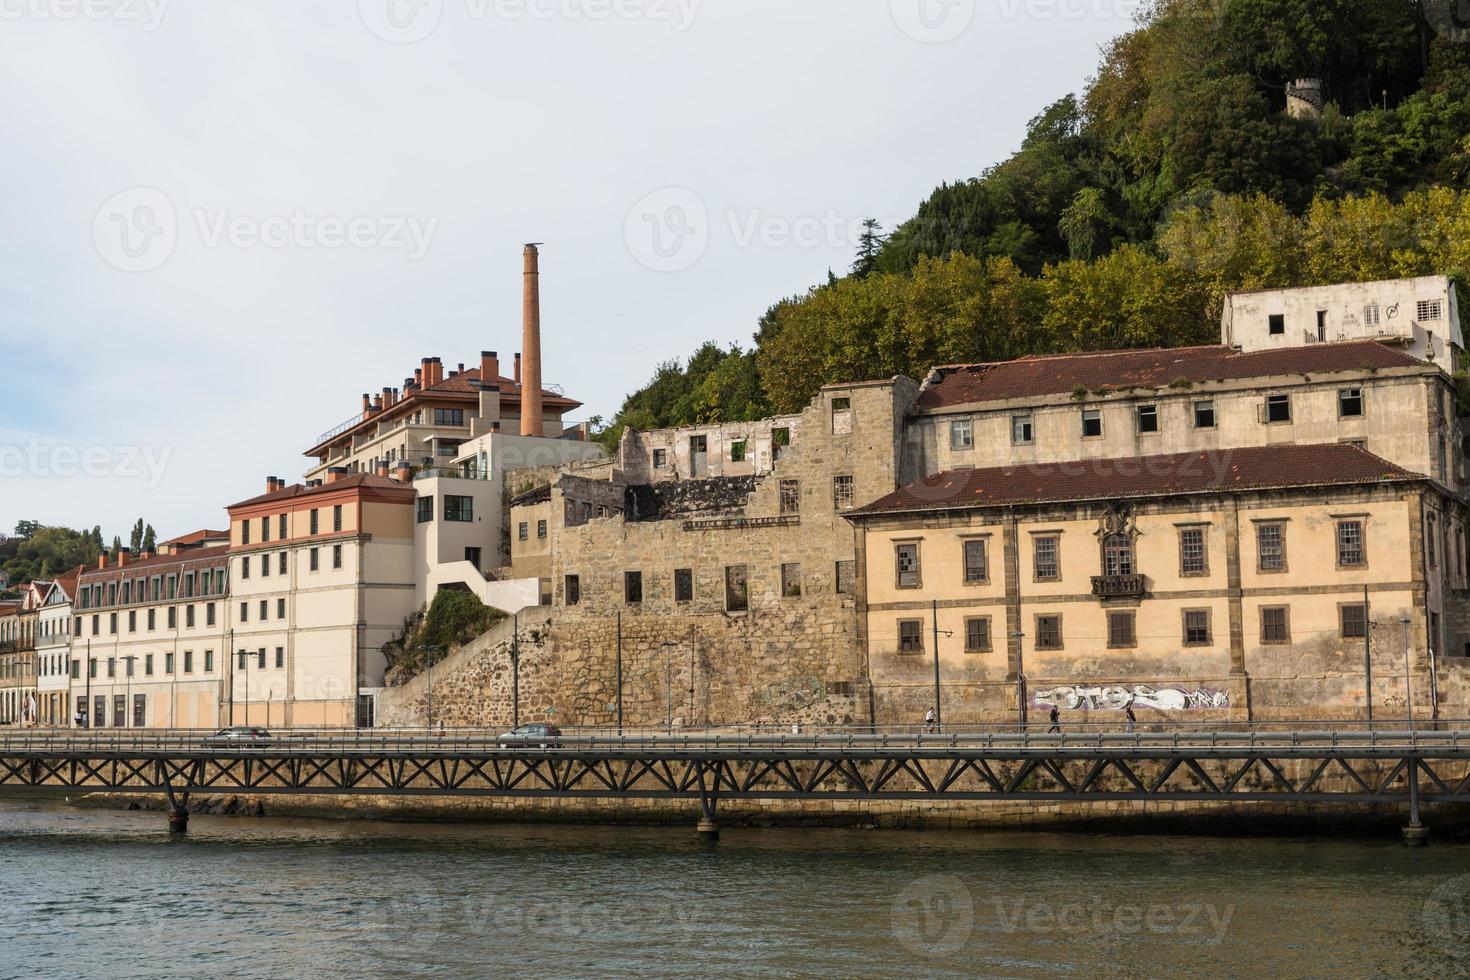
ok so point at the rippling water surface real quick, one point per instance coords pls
(94, 894)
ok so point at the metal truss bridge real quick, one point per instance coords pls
(1250, 763)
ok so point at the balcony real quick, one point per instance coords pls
(1118, 586)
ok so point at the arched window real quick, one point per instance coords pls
(1118, 554)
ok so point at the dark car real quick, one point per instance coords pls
(241, 736)
(541, 735)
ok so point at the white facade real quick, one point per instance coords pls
(1419, 315)
(53, 658)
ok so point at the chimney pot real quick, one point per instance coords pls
(418, 377)
(489, 368)
(102, 560)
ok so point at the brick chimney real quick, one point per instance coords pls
(383, 469)
(336, 473)
(102, 560)
(531, 344)
(489, 367)
(404, 472)
(367, 404)
(518, 368)
(387, 397)
(418, 378)
(122, 557)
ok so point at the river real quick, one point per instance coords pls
(90, 893)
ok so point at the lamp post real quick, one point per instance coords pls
(668, 649)
(429, 659)
(938, 698)
(1406, 622)
(1018, 636)
(130, 659)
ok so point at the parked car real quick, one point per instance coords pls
(539, 735)
(241, 736)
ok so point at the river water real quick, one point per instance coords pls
(111, 894)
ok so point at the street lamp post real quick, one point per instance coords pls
(429, 659)
(1406, 622)
(668, 649)
(1018, 636)
(130, 659)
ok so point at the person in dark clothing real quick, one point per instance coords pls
(1056, 721)
(1132, 721)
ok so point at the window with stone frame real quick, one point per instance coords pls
(737, 588)
(1193, 559)
(1204, 415)
(1353, 621)
(1118, 554)
(780, 443)
(791, 580)
(737, 451)
(1148, 419)
(1197, 631)
(841, 416)
(977, 561)
(573, 590)
(1431, 534)
(1122, 629)
(632, 587)
(962, 435)
(1092, 425)
(683, 585)
(660, 459)
(1023, 430)
(1275, 624)
(1350, 403)
(906, 556)
(1350, 550)
(1271, 547)
(1048, 632)
(1046, 556)
(790, 497)
(911, 636)
(846, 577)
(977, 634)
(842, 493)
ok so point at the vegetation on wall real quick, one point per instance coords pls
(1130, 210)
(454, 618)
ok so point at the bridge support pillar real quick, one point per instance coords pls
(709, 829)
(1415, 834)
(178, 820)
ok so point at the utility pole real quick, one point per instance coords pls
(1368, 654)
(429, 659)
(690, 722)
(515, 671)
(91, 722)
(1406, 622)
(938, 701)
(618, 670)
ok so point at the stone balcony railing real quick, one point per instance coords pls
(1118, 586)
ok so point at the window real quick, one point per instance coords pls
(152, 620)
(315, 559)
(1350, 403)
(698, 455)
(1122, 632)
(1092, 424)
(337, 517)
(1046, 550)
(523, 531)
(737, 588)
(1023, 430)
(1197, 627)
(265, 610)
(907, 556)
(265, 529)
(660, 459)
(1430, 551)
(910, 636)
(683, 585)
(425, 510)
(315, 523)
(737, 451)
(1278, 408)
(1350, 551)
(791, 580)
(573, 589)
(336, 556)
(111, 666)
(842, 492)
(841, 416)
(260, 659)
(1048, 632)
(1148, 419)
(242, 661)
(846, 577)
(1118, 554)
(977, 634)
(189, 616)
(1275, 625)
(1372, 315)
(168, 661)
(245, 567)
(977, 564)
(280, 657)
(541, 529)
(962, 435)
(133, 620)
(459, 509)
(244, 612)
(780, 442)
(632, 587)
(473, 556)
(112, 623)
(281, 563)
(1204, 415)
(265, 566)
(449, 416)
(208, 661)
(173, 617)
(1354, 620)
(281, 530)
(245, 531)
(1277, 324)
(1271, 547)
(281, 608)
(1430, 309)
(790, 497)
(1192, 559)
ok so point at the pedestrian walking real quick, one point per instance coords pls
(929, 721)
(1056, 721)
(1132, 721)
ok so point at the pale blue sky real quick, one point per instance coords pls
(226, 219)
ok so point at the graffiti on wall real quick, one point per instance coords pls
(1118, 697)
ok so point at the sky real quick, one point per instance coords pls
(225, 220)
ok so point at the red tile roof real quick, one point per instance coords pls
(1058, 374)
(194, 537)
(217, 554)
(349, 482)
(1227, 471)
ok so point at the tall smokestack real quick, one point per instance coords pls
(531, 345)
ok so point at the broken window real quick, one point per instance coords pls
(1091, 424)
(1192, 551)
(977, 565)
(977, 634)
(737, 589)
(910, 636)
(660, 459)
(1148, 418)
(841, 416)
(1204, 415)
(962, 435)
(1048, 632)
(1271, 547)
(698, 455)
(1350, 403)
(791, 580)
(737, 451)
(846, 577)
(632, 587)
(907, 556)
(1278, 408)
(1023, 430)
(790, 497)
(684, 585)
(574, 589)
(780, 442)
(842, 492)
(1277, 324)
(1350, 543)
